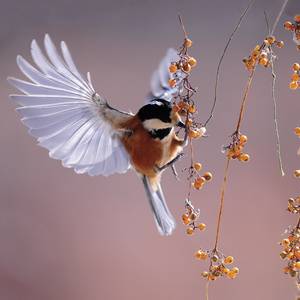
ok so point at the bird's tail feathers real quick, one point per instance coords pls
(164, 220)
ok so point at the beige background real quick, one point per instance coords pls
(71, 237)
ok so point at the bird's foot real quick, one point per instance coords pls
(170, 163)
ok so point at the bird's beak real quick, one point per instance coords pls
(181, 124)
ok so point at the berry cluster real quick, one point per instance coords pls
(294, 27)
(295, 78)
(199, 181)
(219, 265)
(190, 217)
(235, 148)
(182, 67)
(294, 205)
(262, 54)
(291, 252)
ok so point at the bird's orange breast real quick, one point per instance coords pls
(145, 152)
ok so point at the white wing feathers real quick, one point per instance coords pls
(159, 84)
(62, 110)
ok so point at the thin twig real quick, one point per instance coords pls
(279, 16)
(222, 57)
(278, 148)
(245, 96)
(206, 290)
(221, 203)
(182, 26)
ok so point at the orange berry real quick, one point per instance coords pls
(244, 157)
(297, 265)
(294, 85)
(185, 219)
(202, 226)
(288, 25)
(193, 216)
(192, 109)
(296, 67)
(172, 82)
(263, 61)
(285, 242)
(186, 68)
(280, 44)
(228, 260)
(201, 255)
(297, 254)
(295, 77)
(208, 176)
(198, 166)
(231, 275)
(286, 270)
(297, 18)
(235, 270)
(297, 131)
(243, 139)
(271, 39)
(297, 173)
(198, 183)
(188, 43)
(190, 230)
(192, 62)
(172, 68)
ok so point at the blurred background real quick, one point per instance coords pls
(71, 237)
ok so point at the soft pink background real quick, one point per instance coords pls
(71, 237)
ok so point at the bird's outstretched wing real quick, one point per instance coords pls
(159, 84)
(62, 110)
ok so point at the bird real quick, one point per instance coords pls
(78, 126)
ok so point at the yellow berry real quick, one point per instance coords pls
(188, 43)
(243, 139)
(244, 157)
(228, 260)
(296, 67)
(297, 173)
(202, 226)
(190, 230)
(192, 62)
(235, 270)
(208, 176)
(198, 166)
(294, 85)
(297, 131)
(172, 82)
(205, 274)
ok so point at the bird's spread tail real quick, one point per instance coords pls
(164, 220)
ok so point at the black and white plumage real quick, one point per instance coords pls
(69, 118)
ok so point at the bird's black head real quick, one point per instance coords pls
(159, 118)
(158, 110)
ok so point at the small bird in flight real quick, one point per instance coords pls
(79, 127)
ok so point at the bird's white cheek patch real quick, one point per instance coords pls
(156, 124)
